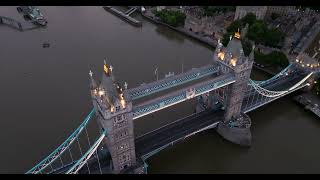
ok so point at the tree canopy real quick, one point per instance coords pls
(275, 58)
(258, 31)
(171, 17)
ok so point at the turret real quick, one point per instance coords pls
(114, 114)
(233, 60)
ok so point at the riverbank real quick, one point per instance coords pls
(149, 16)
(310, 102)
(207, 41)
(123, 16)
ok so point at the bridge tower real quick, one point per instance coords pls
(114, 115)
(236, 125)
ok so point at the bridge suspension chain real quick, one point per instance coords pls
(83, 160)
(60, 150)
(283, 72)
(272, 94)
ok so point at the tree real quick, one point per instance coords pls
(275, 58)
(274, 16)
(226, 39)
(250, 18)
(173, 18)
(247, 47)
(273, 37)
(234, 26)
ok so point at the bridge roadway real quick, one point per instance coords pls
(152, 142)
(279, 85)
(176, 131)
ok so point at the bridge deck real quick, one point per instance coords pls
(177, 130)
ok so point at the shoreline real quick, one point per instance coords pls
(309, 102)
(198, 38)
(182, 31)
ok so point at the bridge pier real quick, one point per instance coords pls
(236, 125)
(237, 131)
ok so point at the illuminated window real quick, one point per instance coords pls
(221, 55)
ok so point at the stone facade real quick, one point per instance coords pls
(114, 115)
(213, 26)
(242, 11)
(281, 10)
(235, 127)
(234, 60)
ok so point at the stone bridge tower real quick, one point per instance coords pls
(236, 125)
(114, 115)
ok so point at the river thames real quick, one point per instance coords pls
(45, 95)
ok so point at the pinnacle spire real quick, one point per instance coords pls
(93, 83)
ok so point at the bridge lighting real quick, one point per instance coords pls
(105, 68)
(221, 55)
(101, 92)
(315, 82)
(297, 60)
(308, 84)
(233, 61)
(112, 108)
(123, 103)
(237, 34)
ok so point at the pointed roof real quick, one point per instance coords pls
(108, 85)
(234, 46)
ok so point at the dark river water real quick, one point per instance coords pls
(44, 96)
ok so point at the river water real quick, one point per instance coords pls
(44, 95)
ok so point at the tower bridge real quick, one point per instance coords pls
(224, 93)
